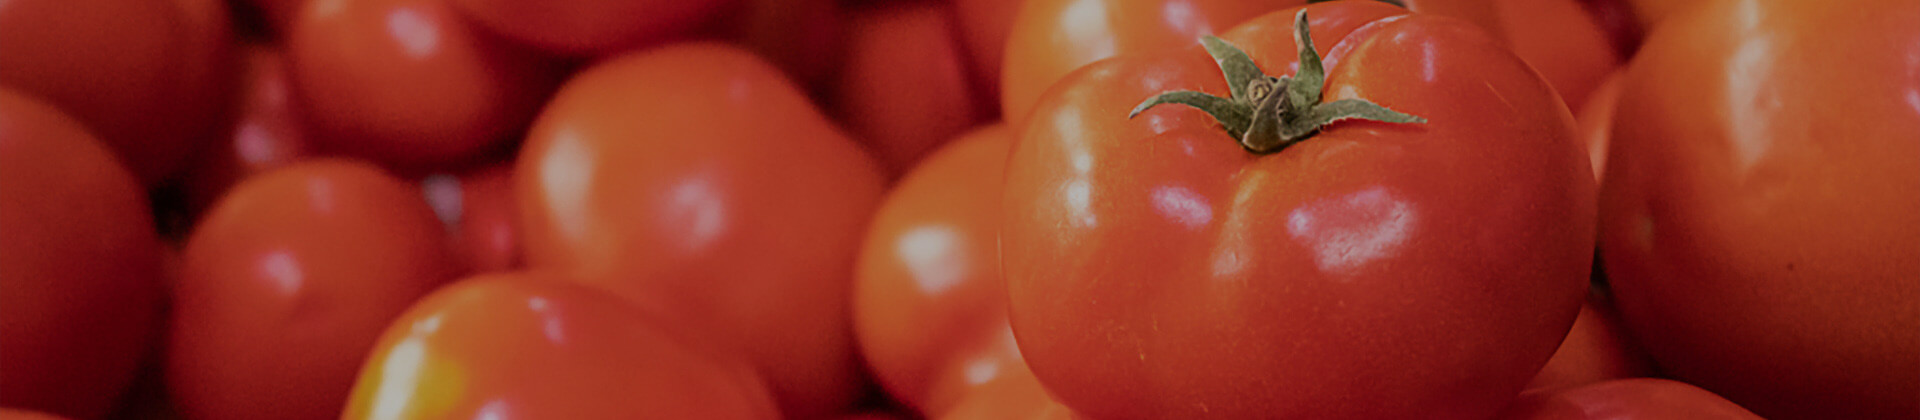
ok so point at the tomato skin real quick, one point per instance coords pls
(409, 84)
(112, 64)
(13, 414)
(269, 130)
(928, 280)
(1596, 122)
(590, 27)
(526, 346)
(1760, 227)
(279, 14)
(1597, 349)
(79, 263)
(985, 26)
(1557, 37)
(1051, 38)
(905, 88)
(803, 37)
(287, 283)
(1127, 242)
(1008, 391)
(481, 216)
(735, 205)
(1643, 398)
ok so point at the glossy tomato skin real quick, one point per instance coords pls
(697, 179)
(525, 346)
(1761, 225)
(80, 265)
(904, 89)
(1558, 38)
(1157, 269)
(999, 386)
(928, 281)
(287, 283)
(481, 216)
(269, 130)
(114, 65)
(1051, 38)
(409, 83)
(1596, 122)
(1643, 398)
(590, 27)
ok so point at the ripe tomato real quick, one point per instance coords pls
(279, 14)
(1644, 398)
(1596, 349)
(589, 27)
(518, 345)
(801, 36)
(1761, 217)
(1557, 37)
(269, 131)
(481, 216)
(1051, 38)
(905, 89)
(115, 65)
(1157, 268)
(80, 287)
(13, 414)
(1002, 390)
(203, 94)
(697, 179)
(286, 284)
(409, 83)
(928, 277)
(1596, 122)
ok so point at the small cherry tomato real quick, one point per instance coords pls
(409, 83)
(287, 283)
(80, 265)
(521, 346)
(481, 216)
(905, 88)
(697, 179)
(928, 275)
(1643, 398)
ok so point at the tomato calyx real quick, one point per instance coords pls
(1266, 113)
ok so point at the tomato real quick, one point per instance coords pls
(928, 281)
(1418, 269)
(905, 88)
(1596, 349)
(79, 265)
(479, 212)
(589, 27)
(13, 414)
(1557, 37)
(269, 131)
(801, 36)
(410, 84)
(288, 281)
(203, 94)
(278, 14)
(697, 179)
(115, 65)
(1051, 38)
(1653, 12)
(521, 346)
(1006, 391)
(985, 25)
(1761, 216)
(1644, 398)
(1596, 122)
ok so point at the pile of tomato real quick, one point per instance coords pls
(959, 209)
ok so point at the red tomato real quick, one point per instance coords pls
(697, 179)
(905, 88)
(1596, 122)
(269, 131)
(985, 25)
(1157, 268)
(79, 264)
(1557, 37)
(1051, 38)
(928, 277)
(13, 414)
(801, 36)
(590, 27)
(1644, 399)
(480, 215)
(1761, 217)
(279, 14)
(286, 284)
(522, 346)
(115, 65)
(409, 83)
(1596, 349)
(203, 95)
(1000, 387)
